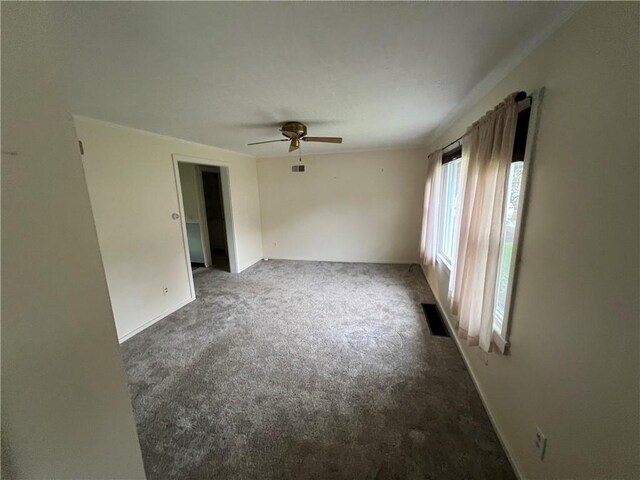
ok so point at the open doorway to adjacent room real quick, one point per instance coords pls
(214, 217)
(205, 199)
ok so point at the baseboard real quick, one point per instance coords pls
(380, 262)
(137, 330)
(251, 265)
(426, 277)
(142, 327)
(450, 325)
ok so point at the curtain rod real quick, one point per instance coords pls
(520, 97)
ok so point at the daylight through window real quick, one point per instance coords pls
(506, 248)
(448, 212)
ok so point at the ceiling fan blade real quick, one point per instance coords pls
(323, 139)
(295, 144)
(269, 141)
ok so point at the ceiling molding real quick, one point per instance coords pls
(499, 73)
(382, 75)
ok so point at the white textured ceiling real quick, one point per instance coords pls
(381, 75)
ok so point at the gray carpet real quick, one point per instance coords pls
(307, 370)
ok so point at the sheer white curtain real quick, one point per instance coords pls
(487, 155)
(431, 209)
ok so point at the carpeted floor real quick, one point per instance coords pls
(307, 370)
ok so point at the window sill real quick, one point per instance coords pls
(444, 262)
(500, 342)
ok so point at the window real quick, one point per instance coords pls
(506, 266)
(484, 240)
(506, 248)
(448, 210)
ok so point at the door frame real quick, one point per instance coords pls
(225, 180)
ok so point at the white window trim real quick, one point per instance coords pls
(501, 336)
(445, 261)
(441, 257)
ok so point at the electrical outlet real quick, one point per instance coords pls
(165, 290)
(541, 443)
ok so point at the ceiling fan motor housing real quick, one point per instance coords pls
(294, 130)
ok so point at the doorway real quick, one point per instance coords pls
(204, 195)
(215, 218)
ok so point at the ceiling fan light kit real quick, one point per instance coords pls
(295, 132)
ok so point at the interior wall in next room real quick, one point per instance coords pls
(349, 207)
(191, 202)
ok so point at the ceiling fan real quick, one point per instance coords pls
(296, 132)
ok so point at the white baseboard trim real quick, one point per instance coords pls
(381, 262)
(137, 330)
(146, 325)
(251, 265)
(426, 276)
(505, 445)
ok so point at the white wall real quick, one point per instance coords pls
(574, 363)
(66, 411)
(133, 193)
(351, 207)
